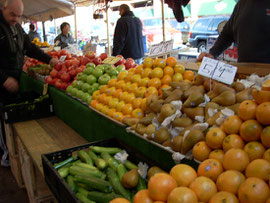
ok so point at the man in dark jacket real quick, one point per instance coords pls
(128, 40)
(14, 43)
(249, 27)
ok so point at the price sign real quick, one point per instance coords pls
(161, 48)
(217, 70)
(111, 60)
(62, 58)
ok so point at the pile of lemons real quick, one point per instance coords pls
(39, 43)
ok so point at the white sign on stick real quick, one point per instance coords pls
(217, 70)
(161, 48)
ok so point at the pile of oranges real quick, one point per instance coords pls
(126, 95)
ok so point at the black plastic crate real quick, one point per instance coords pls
(59, 187)
(22, 111)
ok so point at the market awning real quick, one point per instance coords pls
(43, 10)
(217, 7)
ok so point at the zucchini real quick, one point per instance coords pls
(84, 165)
(116, 183)
(113, 163)
(106, 156)
(121, 170)
(76, 162)
(83, 198)
(85, 157)
(141, 184)
(63, 172)
(71, 183)
(76, 170)
(130, 165)
(84, 186)
(100, 163)
(110, 150)
(63, 163)
(82, 191)
(101, 197)
(95, 183)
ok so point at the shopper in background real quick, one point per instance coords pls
(64, 38)
(128, 39)
(249, 28)
(14, 43)
(33, 33)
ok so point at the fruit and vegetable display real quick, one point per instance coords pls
(126, 95)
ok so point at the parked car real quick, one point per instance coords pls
(204, 27)
(184, 27)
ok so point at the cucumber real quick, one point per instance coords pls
(71, 183)
(113, 163)
(85, 157)
(76, 162)
(63, 172)
(100, 163)
(116, 183)
(110, 150)
(106, 156)
(76, 170)
(101, 197)
(84, 165)
(83, 198)
(130, 165)
(121, 170)
(63, 163)
(84, 186)
(95, 183)
(141, 184)
(82, 191)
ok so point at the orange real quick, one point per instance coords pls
(183, 174)
(103, 89)
(126, 86)
(263, 112)
(265, 136)
(123, 96)
(179, 68)
(133, 88)
(171, 61)
(259, 168)
(119, 200)
(177, 77)
(144, 82)
(137, 103)
(140, 92)
(222, 197)
(127, 109)
(166, 80)
(137, 113)
(232, 141)
(204, 188)
(156, 73)
(94, 103)
(266, 155)
(148, 62)
(110, 91)
(99, 106)
(111, 112)
(201, 151)
(255, 150)
(217, 154)
(139, 69)
(160, 186)
(150, 91)
(146, 72)
(120, 105)
(162, 88)
(120, 84)
(95, 94)
(210, 168)
(105, 110)
(113, 103)
(154, 82)
(215, 137)
(253, 190)
(250, 130)
(261, 96)
(101, 98)
(232, 124)
(136, 78)
(117, 93)
(143, 105)
(118, 116)
(107, 100)
(142, 196)
(182, 195)
(247, 110)
(188, 75)
(235, 159)
(168, 70)
(266, 85)
(230, 181)
(112, 82)
(159, 62)
(122, 75)
(129, 76)
(129, 98)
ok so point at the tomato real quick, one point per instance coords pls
(72, 73)
(58, 65)
(85, 60)
(90, 55)
(53, 73)
(97, 61)
(103, 56)
(58, 83)
(68, 63)
(54, 81)
(63, 52)
(64, 68)
(65, 77)
(48, 79)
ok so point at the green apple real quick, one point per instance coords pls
(91, 79)
(97, 72)
(79, 75)
(69, 89)
(88, 71)
(108, 67)
(100, 67)
(84, 77)
(113, 72)
(89, 100)
(74, 92)
(103, 80)
(79, 84)
(91, 90)
(92, 65)
(114, 77)
(79, 94)
(85, 97)
(85, 87)
(95, 85)
(120, 68)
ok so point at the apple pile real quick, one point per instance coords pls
(91, 79)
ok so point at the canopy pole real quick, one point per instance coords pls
(163, 20)
(108, 30)
(44, 32)
(75, 22)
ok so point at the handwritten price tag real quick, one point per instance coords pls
(111, 60)
(217, 70)
(62, 58)
(161, 48)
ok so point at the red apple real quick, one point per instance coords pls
(103, 56)
(97, 61)
(90, 54)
